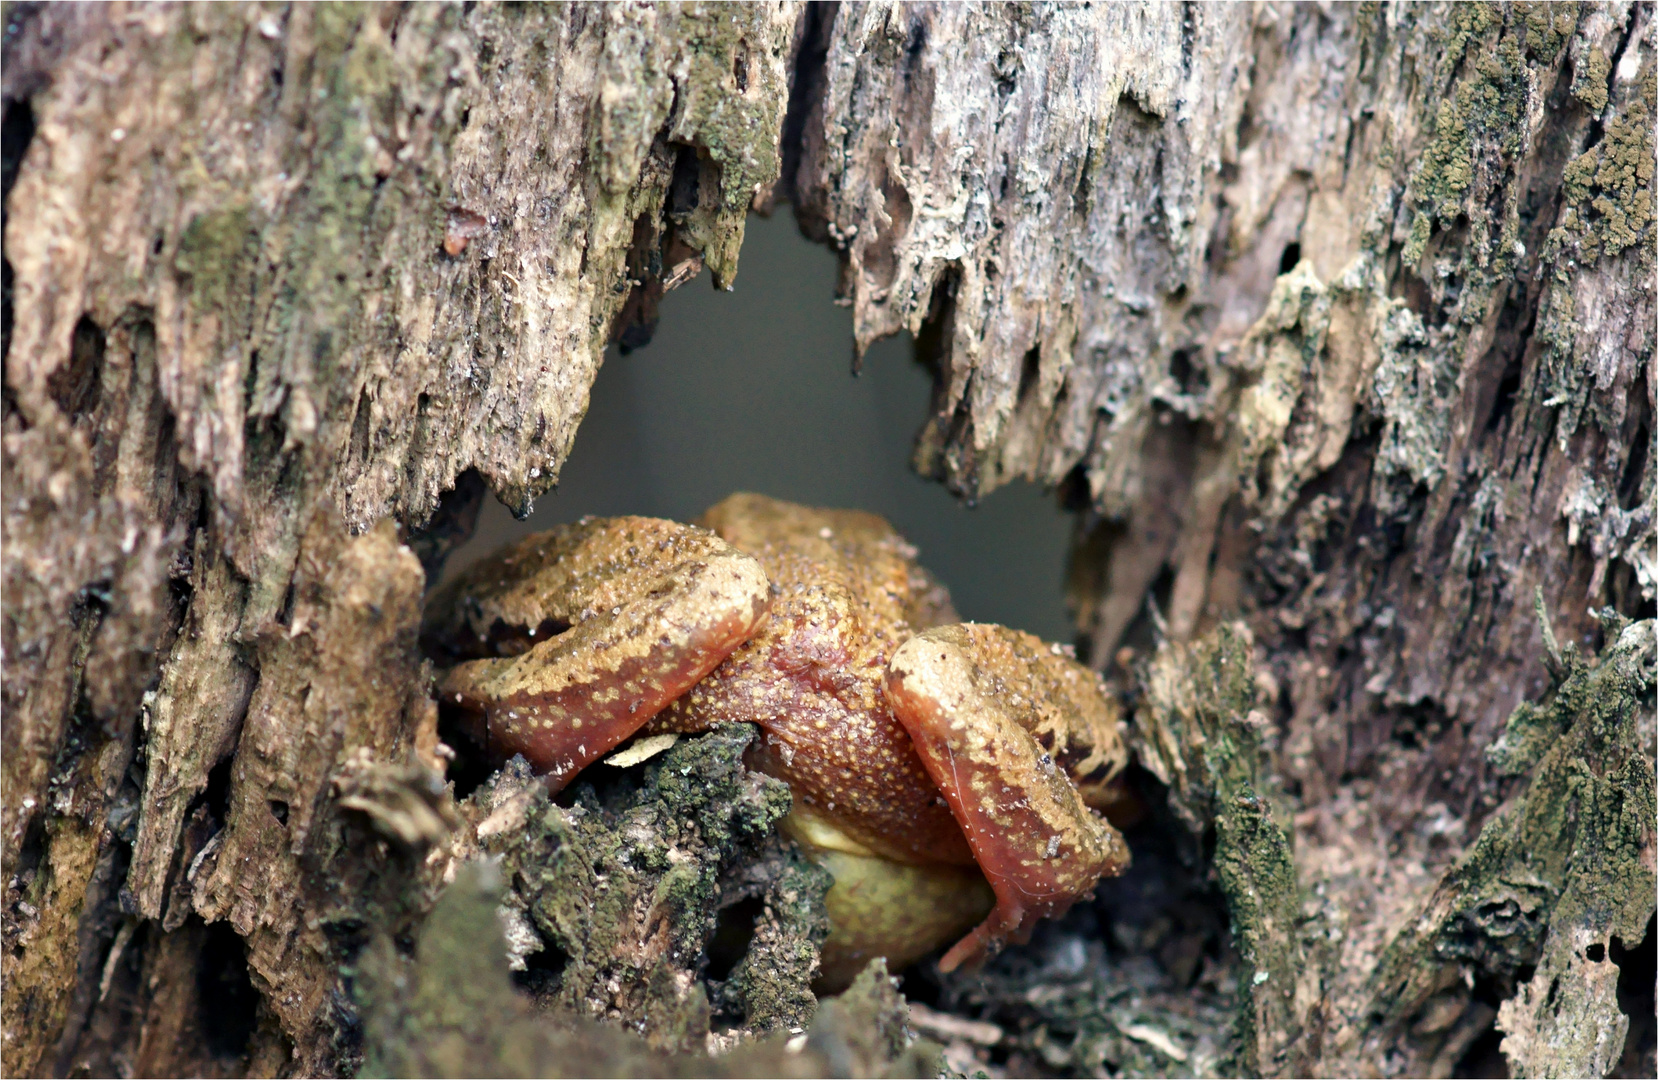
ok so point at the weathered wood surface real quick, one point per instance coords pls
(1336, 319)
(231, 312)
(1339, 318)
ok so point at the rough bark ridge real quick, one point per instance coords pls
(1339, 320)
(269, 266)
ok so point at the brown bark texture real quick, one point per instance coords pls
(1334, 324)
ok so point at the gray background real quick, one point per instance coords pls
(752, 390)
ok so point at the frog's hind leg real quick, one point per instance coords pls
(1005, 724)
(645, 609)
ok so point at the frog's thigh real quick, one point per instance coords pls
(570, 700)
(1038, 844)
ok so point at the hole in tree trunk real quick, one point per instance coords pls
(1637, 971)
(732, 936)
(229, 1003)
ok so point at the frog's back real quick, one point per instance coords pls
(854, 546)
(846, 594)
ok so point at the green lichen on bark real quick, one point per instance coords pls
(1199, 732)
(770, 987)
(1556, 875)
(1608, 188)
(718, 96)
(451, 1009)
(729, 108)
(1196, 728)
(1548, 26)
(1604, 232)
(1589, 81)
(1411, 390)
(215, 254)
(1599, 779)
(865, 1031)
(1482, 124)
(625, 886)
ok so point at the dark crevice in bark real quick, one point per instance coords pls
(451, 524)
(1637, 972)
(806, 88)
(17, 131)
(75, 386)
(229, 1003)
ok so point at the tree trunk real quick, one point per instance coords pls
(1334, 324)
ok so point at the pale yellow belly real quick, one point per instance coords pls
(882, 908)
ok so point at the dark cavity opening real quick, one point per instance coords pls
(636, 322)
(733, 934)
(1629, 485)
(1030, 370)
(1192, 378)
(217, 795)
(229, 1003)
(543, 971)
(1637, 972)
(931, 347)
(74, 386)
(10, 403)
(285, 614)
(805, 90)
(507, 640)
(1291, 256)
(915, 43)
(739, 65)
(1507, 390)
(684, 190)
(1484, 1057)
(459, 728)
(279, 811)
(451, 524)
(17, 131)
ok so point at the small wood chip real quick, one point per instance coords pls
(1154, 1038)
(946, 1026)
(641, 750)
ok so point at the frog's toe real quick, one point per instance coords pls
(643, 609)
(1002, 722)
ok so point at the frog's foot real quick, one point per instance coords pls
(610, 620)
(1003, 722)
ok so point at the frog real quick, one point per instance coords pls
(950, 775)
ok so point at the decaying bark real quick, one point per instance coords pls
(1335, 323)
(1341, 319)
(270, 267)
